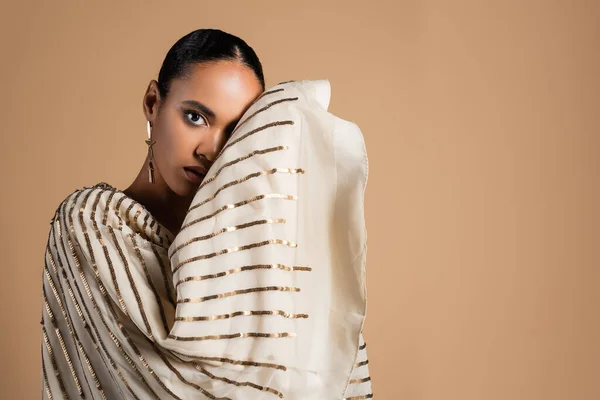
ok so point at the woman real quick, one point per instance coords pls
(207, 81)
(113, 323)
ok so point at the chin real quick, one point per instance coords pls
(184, 188)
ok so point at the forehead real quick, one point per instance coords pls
(226, 87)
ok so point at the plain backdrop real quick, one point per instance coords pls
(481, 120)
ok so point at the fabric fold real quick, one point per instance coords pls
(262, 293)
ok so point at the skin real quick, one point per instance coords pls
(187, 135)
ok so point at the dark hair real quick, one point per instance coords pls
(205, 45)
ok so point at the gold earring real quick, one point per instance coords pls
(150, 143)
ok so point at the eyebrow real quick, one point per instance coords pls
(199, 106)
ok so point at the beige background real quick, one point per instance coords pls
(482, 124)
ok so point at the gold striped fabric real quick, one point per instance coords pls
(262, 293)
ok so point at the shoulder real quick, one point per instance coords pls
(84, 205)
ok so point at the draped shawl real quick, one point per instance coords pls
(260, 295)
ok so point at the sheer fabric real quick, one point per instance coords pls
(262, 293)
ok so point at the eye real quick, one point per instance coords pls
(194, 118)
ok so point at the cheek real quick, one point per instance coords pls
(176, 141)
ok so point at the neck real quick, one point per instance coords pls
(165, 205)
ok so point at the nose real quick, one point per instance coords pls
(211, 144)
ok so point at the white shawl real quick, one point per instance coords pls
(262, 293)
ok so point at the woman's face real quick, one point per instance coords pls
(193, 123)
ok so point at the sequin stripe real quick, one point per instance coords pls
(133, 221)
(182, 379)
(51, 238)
(241, 313)
(56, 231)
(237, 383)
(61, 206)
(240, 269)
(134, 289)
(363, 397)
(252, 132)
(128, 210)
(50, 259)
(236, 205)
(72, 331)
(360, 364)
(138, 298)
(48, 278)
(109, 306)
(238, 292)
(169, 289)
(246, 363)
(169, 241)
(229, 229)
(150, 283)
(111, 267)
(233, 336)
(246, 178)
(282, 83)
(62, 220)
(145, 224)
(72, 201)
(141, 209)
(137, 215)
(117, 208)
(363, 346)
(63, 346)
(92, 372)
(45, 375)
(267, 93)
(49, 255)
(58, 238)
(360, 380)
(237, 160)
(107, 207)
(97, 342)
(260, 110)
(160, 239)
(54, 364)
(233, 250)
(60, 293)
(89, 332)
(152, 229)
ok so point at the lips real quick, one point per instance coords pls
(198, 170)
(194, 175)
(195, 172)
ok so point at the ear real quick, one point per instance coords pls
(151, 101)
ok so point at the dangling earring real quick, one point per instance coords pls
(149, 142)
